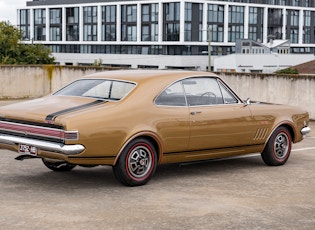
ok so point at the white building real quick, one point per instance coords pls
(164, 33)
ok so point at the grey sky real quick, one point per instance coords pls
(8, 9)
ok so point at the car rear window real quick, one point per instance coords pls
(98, 88)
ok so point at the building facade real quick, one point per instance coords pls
(164, 33)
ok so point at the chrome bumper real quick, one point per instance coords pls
(42, 145)
(305, 130)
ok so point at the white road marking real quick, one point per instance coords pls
(303, 149)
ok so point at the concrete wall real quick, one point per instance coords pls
(282, 89)
(17, 82)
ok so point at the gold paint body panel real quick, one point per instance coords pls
(180, 134)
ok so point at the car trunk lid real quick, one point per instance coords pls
(46, 109)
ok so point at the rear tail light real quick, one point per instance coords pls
(43, 132)
(71, 135)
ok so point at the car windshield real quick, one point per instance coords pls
(98, 88)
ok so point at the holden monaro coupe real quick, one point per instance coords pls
(134, 120)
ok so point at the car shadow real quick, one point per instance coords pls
(102, 176)
(216, 167)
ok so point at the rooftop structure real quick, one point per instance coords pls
(163, 34)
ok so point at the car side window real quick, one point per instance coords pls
(228, 96)
(172, 96)
(202, 91)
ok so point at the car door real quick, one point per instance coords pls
(218, 119)
(173, 123)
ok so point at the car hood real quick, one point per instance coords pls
(48, 108)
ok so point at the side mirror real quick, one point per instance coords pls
(247, 102)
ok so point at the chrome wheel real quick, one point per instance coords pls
(278, 147)
(281, 145)
(139, 162)
(136, 163)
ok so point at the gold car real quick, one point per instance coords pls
(134, 120)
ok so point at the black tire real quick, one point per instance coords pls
(137, 163)
(58, 166)
(278, 148)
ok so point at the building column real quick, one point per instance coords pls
(301, 23)
(139, 12)
(81, 23)
(118, 23)
(160, 22)
(182, 22)
(246, 21)
(47, 24)
(265, 26)
(226, 23)
(205, 22)
(64, 24)
(284, 24)
(99, 23)
(31, 25)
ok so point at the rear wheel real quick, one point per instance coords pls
(278, 148)
(137, 163)
(59, 166)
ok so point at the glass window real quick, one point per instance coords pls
(236, 14)
(205, 91)
(216, 22)
(294, 18)
(253, 15)
(307, 18)
(228, 96)
(202, 91)
(236, 23)
(172, 96)
(193, 24)
(149, 22)
(215, 13)
(72, 15)
(55, 16)
(98, 88)
(129, 22)
(236, 32)
(129, 13)
(171, 21)
(145, 13)
(72, 24)
(25, 24)
(55, 20)
(39, 24)
(90, 23)
(188, 11)
(55, 34)
(108, 23)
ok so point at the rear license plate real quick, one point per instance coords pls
(27, 150)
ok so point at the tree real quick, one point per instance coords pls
(288, 71)
(14, 52)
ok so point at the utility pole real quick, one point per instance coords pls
(209, 49)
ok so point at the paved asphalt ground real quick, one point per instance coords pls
(240, 193)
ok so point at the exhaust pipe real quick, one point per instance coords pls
(23, 157)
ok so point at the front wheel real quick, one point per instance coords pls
(137, 163)
(278, 148)
(58, 166)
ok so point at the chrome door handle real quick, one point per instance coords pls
(195, 112)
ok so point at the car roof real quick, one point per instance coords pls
(139, 76)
